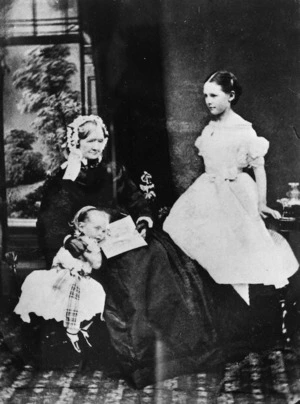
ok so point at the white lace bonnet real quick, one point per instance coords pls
(72, 137)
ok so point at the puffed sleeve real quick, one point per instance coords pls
(252, 150)
(65, 259)
(199, 144)
(201, 140)
(257, 149)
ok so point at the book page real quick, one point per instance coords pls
(122, 237)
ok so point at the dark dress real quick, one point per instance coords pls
(164, 314)
(105, 186)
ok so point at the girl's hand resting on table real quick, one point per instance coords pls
(264, 211)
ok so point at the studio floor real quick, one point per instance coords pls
(270, 376)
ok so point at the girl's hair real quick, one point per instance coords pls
(228, 82)
(83, 214)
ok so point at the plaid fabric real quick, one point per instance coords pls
(71, 320)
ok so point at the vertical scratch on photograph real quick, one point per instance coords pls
(67, 393)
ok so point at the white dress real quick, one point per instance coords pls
(47, 293)
(217, 222)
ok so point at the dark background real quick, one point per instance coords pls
(151, 59)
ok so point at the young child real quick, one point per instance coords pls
(217, 221)
(67, 292)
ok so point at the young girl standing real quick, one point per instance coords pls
(67, 292)
(218, 220)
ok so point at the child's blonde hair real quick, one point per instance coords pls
(83, 214)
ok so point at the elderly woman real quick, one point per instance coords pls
(86, 179)
(164, 314)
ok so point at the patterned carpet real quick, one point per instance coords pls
(272, 376)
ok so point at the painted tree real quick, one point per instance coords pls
(44, 79)
(23, 165)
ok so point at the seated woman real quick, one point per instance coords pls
(164, 314)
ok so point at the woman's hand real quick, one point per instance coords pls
(264, 211)
(74, 165)
(92, 253)
(94, 258)
(142, 226)
(75, 154)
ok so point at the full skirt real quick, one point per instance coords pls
(217, 223)
(46, 294)
(166, 316)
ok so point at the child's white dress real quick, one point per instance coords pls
(61, 293)
(217, 222)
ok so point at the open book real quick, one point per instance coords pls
(122, 237)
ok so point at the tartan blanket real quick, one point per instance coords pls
(71, 320)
